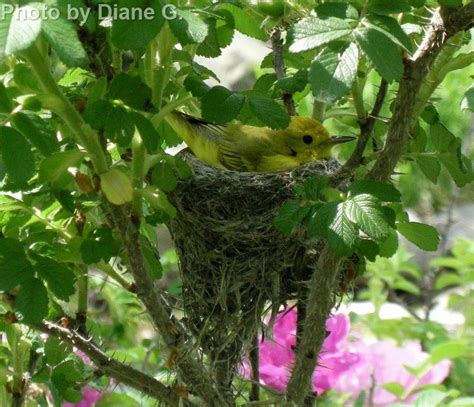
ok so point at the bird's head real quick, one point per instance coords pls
(309, 140)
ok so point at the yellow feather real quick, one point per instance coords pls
(255, 149)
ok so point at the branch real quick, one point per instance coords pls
(279, 65)
(190, 368)
(366, 130)
(112, 367)
(317, 310)
(445, 23)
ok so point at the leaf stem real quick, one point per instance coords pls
(84, 134)
(138, 165)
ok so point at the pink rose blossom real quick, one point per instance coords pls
(345, 366)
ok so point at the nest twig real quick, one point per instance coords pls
(233, 261)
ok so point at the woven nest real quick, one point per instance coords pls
(234, 264)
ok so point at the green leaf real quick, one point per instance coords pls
(391, 28)
(333, 71)
(424, 236)
(448, 279)
(16, 154)
(429, 166)
(54, 169)
(62, 37)
(32, 301)
(271, 113)
(331, 222)
(135, 34)
(99, 245)
(390, 246)
(430, 398)
(388, 6)
(448, 350)
(131, 90)
(158, 200)
(312, 32)
(116, 186)
(382, 52)
(290, 84)
(290, 216)
(15, 268)
(338, 10)
(18, 30)
(459, 167)
(116, 400)
(468, 100)
(60, 278)
(245, 21)
(220, 105)
(163, 177)
(6, 105)
(395, 388)
(149, 135)
(441, 137)
(56, 351)
(365, 211)
(312, 187)
(462, 402)
(196, 86)
(37, 132)
(188, 27)
(382, 191)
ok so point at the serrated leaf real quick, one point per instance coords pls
(62, 37)
(188, 27)
(16, 155)
(56, 351)
(158, 200)
(14, 266)
(424, 236)
(18, 30)
(290, 84)
(312, 187)
(116, 186)
(32, 301)
(448, 279)
(333, 71)
(331, 222)
(429, 166)
(271, 113)
(60, 278)
(391, 28)
(312, 32)
(382, 52)
(55, 167)
(131, 90)
(448, 350)
(245, 21)
(381, 190)
(338, 10)
(460, 168)
(196, 86)
(441, 137)
(37, 132)
(365, 211)
(135, 34)
(220, 105)
(290, 216)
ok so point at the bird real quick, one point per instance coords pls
(244, 148)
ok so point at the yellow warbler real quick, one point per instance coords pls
(255, 149)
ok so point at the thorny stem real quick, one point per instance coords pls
(279, 65)
(111, 367)
(444, 25)
(254, 362)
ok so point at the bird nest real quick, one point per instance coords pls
(234, 264)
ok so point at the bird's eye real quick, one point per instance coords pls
(307, 139)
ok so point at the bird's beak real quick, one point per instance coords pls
(337, 140)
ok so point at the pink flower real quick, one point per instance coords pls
(89, 397)
(345, 366)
